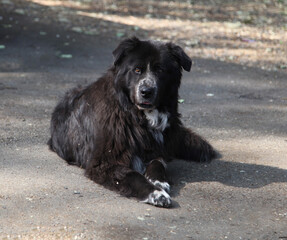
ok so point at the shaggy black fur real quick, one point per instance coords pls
(115, 127)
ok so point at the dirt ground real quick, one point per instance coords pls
(241, 32)
(238, 106)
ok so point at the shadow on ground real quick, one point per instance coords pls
(37, 47)
(239, 175)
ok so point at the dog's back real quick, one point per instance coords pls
(68, 138)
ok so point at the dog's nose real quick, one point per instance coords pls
(147, 92)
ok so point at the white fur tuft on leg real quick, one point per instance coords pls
(163, 185)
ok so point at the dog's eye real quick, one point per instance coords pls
(138, 71)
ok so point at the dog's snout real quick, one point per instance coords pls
(147, 92)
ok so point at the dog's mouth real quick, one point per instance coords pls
(145, 105)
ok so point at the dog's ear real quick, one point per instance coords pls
(180, 56)
(124, 48)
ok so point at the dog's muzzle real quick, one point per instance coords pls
(146, 94)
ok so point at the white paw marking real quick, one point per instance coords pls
(159, 198)
(163, 185)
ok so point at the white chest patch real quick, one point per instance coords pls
(157, 120)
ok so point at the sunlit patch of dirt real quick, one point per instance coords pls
(242, 32)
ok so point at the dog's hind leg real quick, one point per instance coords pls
(187, 145)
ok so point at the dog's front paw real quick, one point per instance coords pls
(163, 185)
(159, 198)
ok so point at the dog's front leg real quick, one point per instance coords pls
(133, 184)
(156, 174)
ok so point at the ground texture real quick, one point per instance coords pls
(241, 110)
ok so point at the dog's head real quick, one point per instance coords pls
(148, 72)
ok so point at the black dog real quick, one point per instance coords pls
(125, 126)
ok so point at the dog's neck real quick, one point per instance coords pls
(157, 120)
